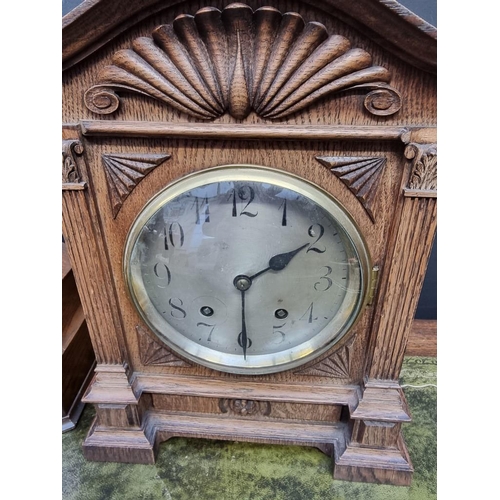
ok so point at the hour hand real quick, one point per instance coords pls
(280, 261)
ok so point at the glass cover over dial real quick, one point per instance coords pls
(246, 269)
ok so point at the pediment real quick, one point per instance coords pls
(238, 60)
(225, 62)
(387, 22)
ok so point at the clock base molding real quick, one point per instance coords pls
(374, 465)
(352, 462)
(140, 445)
(359, 427)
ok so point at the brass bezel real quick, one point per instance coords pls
(255, 173)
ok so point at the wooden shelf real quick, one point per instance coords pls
(78, 359)
(423, 338)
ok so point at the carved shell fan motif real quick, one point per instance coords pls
(154, 353)
(237, 60)
(124, 171)
(360, 174)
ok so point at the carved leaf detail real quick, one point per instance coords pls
(153, 353)
(336, 365)
(71, 148)
(238, 60)
(424, 167)
(125, 171)
(360, 174)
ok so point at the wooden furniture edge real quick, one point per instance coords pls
(220, 388)
(70, 420)
(423, 338)
(146, 129)
(75, 343)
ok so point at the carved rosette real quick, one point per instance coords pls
(336, 365)
(244, 407)
(153, 352)
(70, 175)
(124, 171)
(423, 177)
(238, 60)
(361, 174)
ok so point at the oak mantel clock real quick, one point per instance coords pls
(249, 204)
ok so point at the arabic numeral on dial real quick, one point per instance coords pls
(162, 272)
(199, 203)
(177, 311)
(173, 234)
(316, 230)
(240, 341)
(324, 281)
(244, 193)
(308, 315)
(275, 330)
(212, 328)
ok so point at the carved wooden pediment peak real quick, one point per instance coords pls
(236, 61)
(387, 22)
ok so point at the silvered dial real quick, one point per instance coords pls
(246, 269)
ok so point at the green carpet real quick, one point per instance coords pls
(191, 469)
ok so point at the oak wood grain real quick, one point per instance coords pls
(232, 69)
(237, 388)
(175, 66)
(101, 128)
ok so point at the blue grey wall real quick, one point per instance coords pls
(426, 9)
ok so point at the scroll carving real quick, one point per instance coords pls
(423, 176)
(384, 101)
(153, 353)
(244, 407)
(361, 174)
(125, 171)
(70, 175)
(238, 60)
(336, 365)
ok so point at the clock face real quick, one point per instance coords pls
(246, 269)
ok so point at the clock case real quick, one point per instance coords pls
(365, 133)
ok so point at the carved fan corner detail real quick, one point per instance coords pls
(361, 174)
(124, 171)
(153, 352)
(337, 364)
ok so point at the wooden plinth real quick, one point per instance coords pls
(362, 432)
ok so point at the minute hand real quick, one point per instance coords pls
(280, 261)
